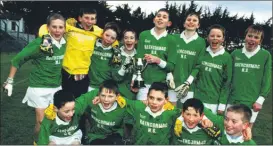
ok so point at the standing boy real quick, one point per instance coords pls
(157, 47)
(251, 82)
(190, 46)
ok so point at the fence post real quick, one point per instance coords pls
(17, 30)
(5, 24)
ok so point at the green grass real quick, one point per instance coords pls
(17, 119)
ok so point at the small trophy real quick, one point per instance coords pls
(139, 67)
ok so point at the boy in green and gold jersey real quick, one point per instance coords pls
(107, 118)
(192, 133)
(234, 125)
(61, 123)
(46, 54)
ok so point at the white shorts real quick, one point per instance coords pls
(253, 117)
(76, 137)
(143, 93)
(40, 97)
(212, 107)
(172, 96)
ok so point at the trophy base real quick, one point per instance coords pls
(138, 84)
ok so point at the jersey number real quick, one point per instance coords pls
(244, 69)
(183, 56)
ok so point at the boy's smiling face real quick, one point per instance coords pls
(161, 20)
(56, 29)
(107, 98)
(88, 20)
(109, 36)
(66, 112)
(252, 40)
(129, 40)
(192, 117)
(215, 38)
(191, 23)
(234, 124)
(156, 100)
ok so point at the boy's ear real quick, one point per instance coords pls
(182, 113)
(168, 98)
(79, 18)
(169, 24)
(245, 125)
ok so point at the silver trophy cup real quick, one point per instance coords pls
(139, 67)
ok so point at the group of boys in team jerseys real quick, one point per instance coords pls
(214, 87)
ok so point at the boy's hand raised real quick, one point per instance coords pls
(256, 107)
(96, 100)
(151, 59)
(247, 134)
(206, 123)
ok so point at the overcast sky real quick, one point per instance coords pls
(262, 10)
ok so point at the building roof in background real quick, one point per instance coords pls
(10, 16)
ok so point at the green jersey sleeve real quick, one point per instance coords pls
(171, 59)
(84, 100)
(216, 119)
(266, 81)
(43, 138)
(226, 84)
(28, 53)
(140, 46)
(133, 105)
(196, 68)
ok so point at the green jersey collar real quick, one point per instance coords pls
(56, 43)
(148, 110)
(187, 40)
(250, 54)
(196, 128)
(123, 53)
(221, 51)
(60, 121)
(99, 44)
(233, 139)
(114, 106)
(164, 34)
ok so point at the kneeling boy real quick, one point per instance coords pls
(233, 125)
(61, 126)
(192, 133)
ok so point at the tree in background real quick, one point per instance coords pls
(36, 12)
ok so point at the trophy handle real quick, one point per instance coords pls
(144, 62)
